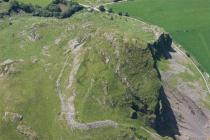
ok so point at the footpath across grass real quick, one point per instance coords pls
(186, 20)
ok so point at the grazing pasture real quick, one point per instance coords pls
(188, 21)
(38, 48)
(37, 2)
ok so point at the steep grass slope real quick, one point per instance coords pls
(90, 71)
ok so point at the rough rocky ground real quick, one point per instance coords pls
(185, 97)
(186, 91)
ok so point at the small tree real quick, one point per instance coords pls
(53, 8)
(120, 13)
(126, 14)
(14, 6)
(110, 10)
(188, 54)
(28, 8)
(102, 9)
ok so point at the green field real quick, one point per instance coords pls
(37, 2)
(188, 21)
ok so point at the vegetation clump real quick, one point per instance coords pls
(57, 8)
(102, 8)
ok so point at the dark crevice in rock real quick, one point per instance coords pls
(165, 123)
(162, 47)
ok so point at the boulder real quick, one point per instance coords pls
(13, 117)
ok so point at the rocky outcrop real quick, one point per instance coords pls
(13, 117)
(8, 66)
(184, 116)
(27, 131)
(162, 47)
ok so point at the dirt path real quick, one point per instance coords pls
(67, 103)
(58, 86)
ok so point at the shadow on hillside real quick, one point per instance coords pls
(161, 49)
(167, 54)
(165, 124)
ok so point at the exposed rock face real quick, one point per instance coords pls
(13, 117)
(162, 47)
(191, 119)
(27, 131)
(187, 118)
(21, 128)
(180, 113)
(8, 66)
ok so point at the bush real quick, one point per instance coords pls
(71, 11)
(188, 54)
(126, 14)
(101, 8)
(110, 10)
(56, 1)
(28, 8)
(52, 10)
(120, 13)
(14, 6)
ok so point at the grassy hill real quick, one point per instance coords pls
(104, 59)
(94, 75)
(186, 20)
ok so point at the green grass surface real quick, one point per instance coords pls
(37, 2)
(31, 90)
(186, 20)
(4, 6)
